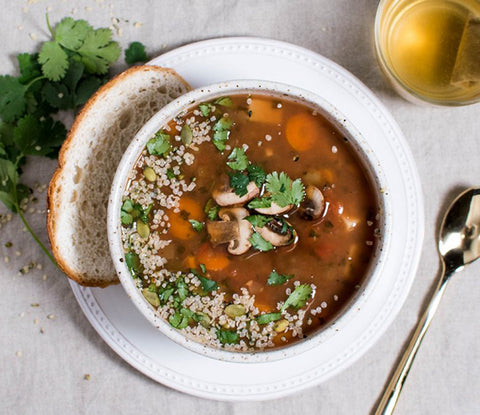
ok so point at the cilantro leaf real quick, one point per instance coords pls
(196, 225)
(35, 137)
(29, 67)
(12, 98)
(207, 284)
(239, 160)
(8, 184)
(205, 109)
(256, 174)
(159, 145)
(135, 53)
(72, 33)
(57, 95)
(227, 336)
(211, 209)
(86, 88)
(258, 220)
(224, 102)
(259, 243)
(182, 289)
(268, 318)
(220, 139)
(133, 263)
(277, 279)
(298, 298)
(223, 124)
(282, 191)
(262, 202)
(239, 183)
(54, 61)
(98, 51)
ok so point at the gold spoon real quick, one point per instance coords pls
(458, 244)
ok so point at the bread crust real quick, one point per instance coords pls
(55, 182)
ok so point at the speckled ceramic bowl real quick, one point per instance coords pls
(359, 143)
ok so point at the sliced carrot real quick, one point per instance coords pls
(180, 227)
(303, 131)
(264, 111)
(214, 259)
(190, 261)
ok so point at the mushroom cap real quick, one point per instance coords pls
(232, 229)
(314, 203)
(274, 209)
(226, 196)
(271, 232)
(242, 244)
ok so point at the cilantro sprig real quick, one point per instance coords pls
(277, 279)
(298, 298)
(280, 189)
(65, 72)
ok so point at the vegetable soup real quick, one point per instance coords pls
(248, 222)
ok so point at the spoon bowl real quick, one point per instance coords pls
(458, 245)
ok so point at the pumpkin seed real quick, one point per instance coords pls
(151, 297)
(150, 174)
(203, 319)
(235, 310)
(280, 325)
(142, 229)
(186, 135)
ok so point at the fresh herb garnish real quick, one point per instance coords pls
(170, 174)
(239, 183)
(67, 70)
(211, 209)
(268, 318)
(298, 298)
(259, 243)
(283, 191)
(256, 174)
(205, 109)
(221, 132)
(133, 263)
(224, 102)
(135, 53)
(227, 336)
(196, 225)
(76, 38)
(238, 159)
(159, 145)
(207, 284)
(258, 221)
(260, 202)
(277, 279)
(280, 190)
(203, 268)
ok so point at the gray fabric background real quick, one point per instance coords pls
(48, 376)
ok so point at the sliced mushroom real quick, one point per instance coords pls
(275, 233)
(222, 231)
(226, 196)
(314, 203)
(274, 209)
(232, 229)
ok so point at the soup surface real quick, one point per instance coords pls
(248, 222)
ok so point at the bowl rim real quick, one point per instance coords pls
(363, 151)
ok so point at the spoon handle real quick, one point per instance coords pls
(392, 391)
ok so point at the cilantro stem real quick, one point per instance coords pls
(34, 80)
(44, 249)
(49, 27)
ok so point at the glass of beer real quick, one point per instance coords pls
(430, 49)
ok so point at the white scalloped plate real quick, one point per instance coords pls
(127, 332)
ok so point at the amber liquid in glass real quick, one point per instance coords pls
(432, 48)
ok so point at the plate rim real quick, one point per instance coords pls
(414, 259)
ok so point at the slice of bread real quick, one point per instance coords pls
(79, 190)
